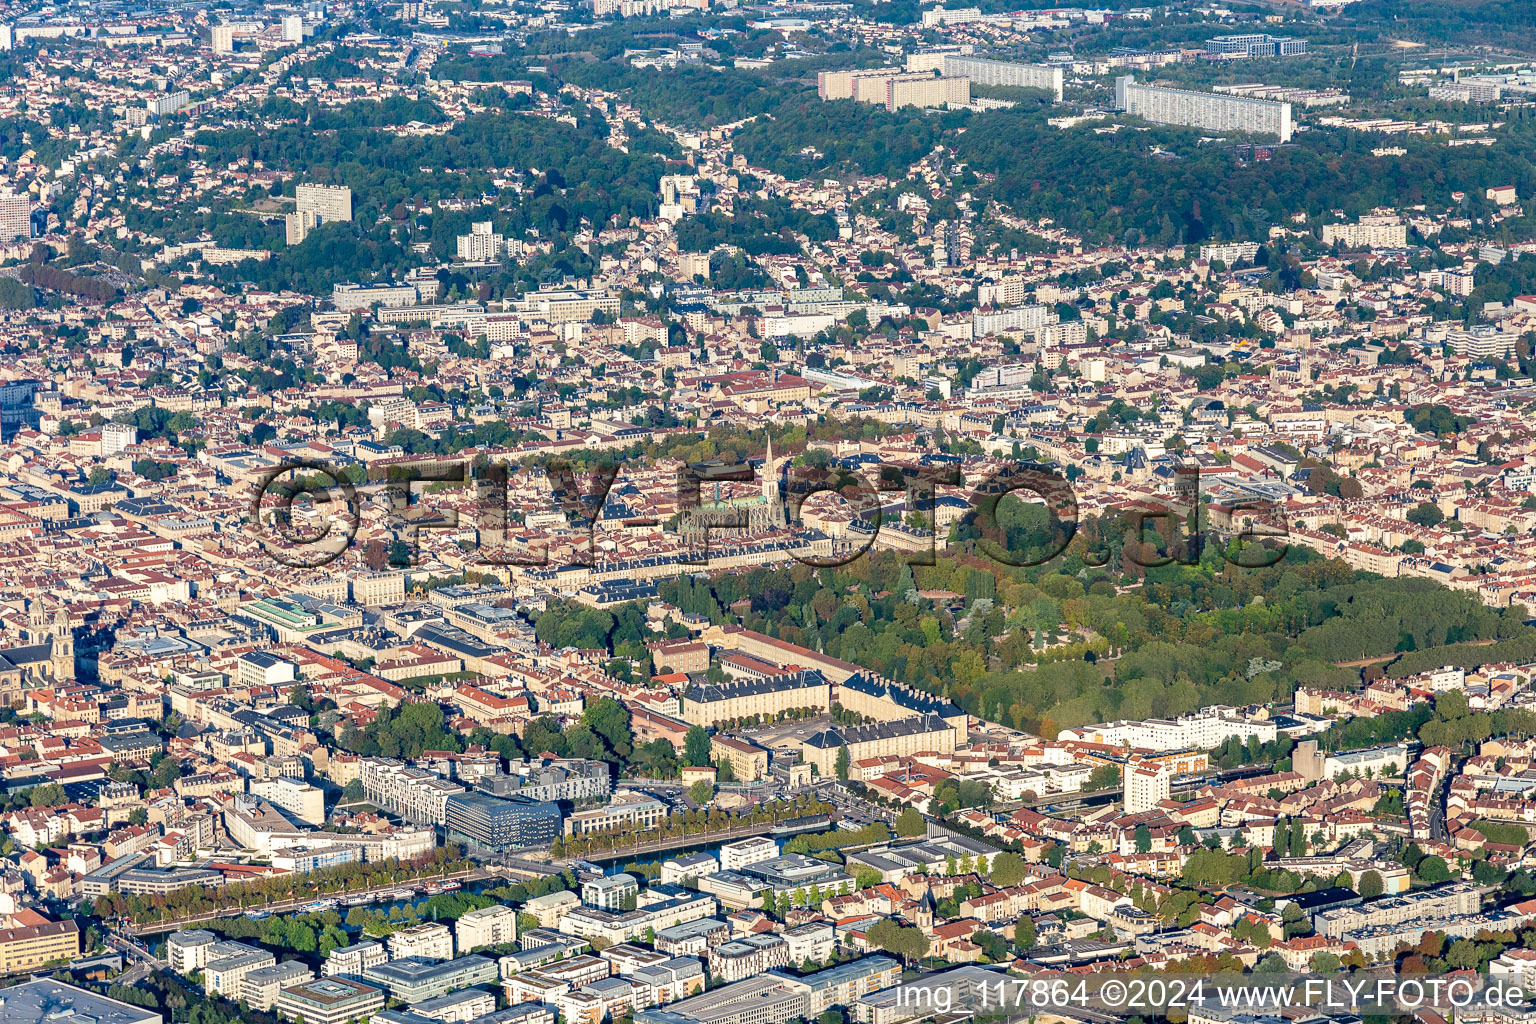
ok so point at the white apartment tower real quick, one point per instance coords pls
(15, 215)
(1208, 110)
(492, 926)
(327, 202)
(481, 245)
(1147, 784)
(315, 205)
(117, 436)
(433, 941)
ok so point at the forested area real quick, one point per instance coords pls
(602, 734)
(684, 97)
(1043, 650)
(804, 138)
(1486, 22)
(1110, 185)
(758, 226)
(381, 167)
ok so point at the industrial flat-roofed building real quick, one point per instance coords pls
(767, 999)
(45, 1001)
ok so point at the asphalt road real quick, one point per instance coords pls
(140, 964)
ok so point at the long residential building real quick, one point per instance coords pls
(1208, 110)
(32, 946)
(1006, 73)
(926, 91)
(415, 794)
(1457, 900)
(1205, 729)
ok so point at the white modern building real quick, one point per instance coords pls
(1006, 73)
(1208, 110)
(482, 244)
(415, 794)
(433, 941)
(1147, 784)
(1205, 729)
(1375, 232)
(492, 926)
(187, 951)
(297, 797)
(351, 961)
(737, 855)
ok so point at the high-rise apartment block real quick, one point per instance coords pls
(168, 103)
(938, 16)
(15, 215)
(843, 85)
(327, 202)
(894, 88)
(926, 91)
(1147, 784)
(1211, 111)
(1373, 232)
(1006, 73)
(223, 38)
(481, 245)
(315, 205)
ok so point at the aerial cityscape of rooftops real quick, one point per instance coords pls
(766, 511)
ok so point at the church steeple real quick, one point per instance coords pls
(770, 476)
(62, 654)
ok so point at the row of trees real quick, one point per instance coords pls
(196, 900)
(96, 289)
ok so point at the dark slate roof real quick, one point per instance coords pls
(842, 735)
(706, 693)
(919, 703)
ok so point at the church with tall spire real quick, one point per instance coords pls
(722, 517)
(770, 477)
